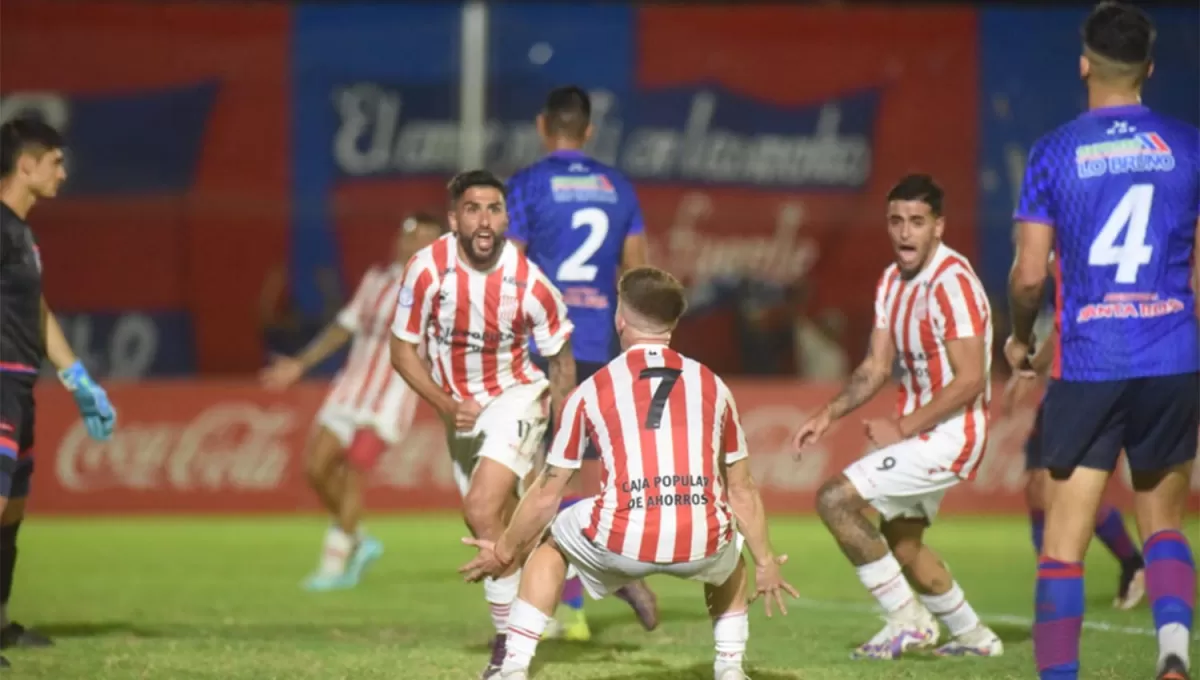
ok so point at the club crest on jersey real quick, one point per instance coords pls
(1141, 152)
(595, 188)
(506, 313)
(405, 298)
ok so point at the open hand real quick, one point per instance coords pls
(485, 564)
(281, 374)
(770, 586)
(812, 431)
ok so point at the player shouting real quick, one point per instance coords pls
(1115, 194)
(1110, 524)
(676, 489)
(932, 313)
(477, 301)
(31, 168)
(368, 408)
(580, 221)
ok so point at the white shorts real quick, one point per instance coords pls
(510, 430)
(907, 479)
(344, 421)
(603, 572)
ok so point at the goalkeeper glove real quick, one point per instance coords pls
(98, 415)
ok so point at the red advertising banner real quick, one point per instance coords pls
(213, 447)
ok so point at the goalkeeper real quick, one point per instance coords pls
(31, 168)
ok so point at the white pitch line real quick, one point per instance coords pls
(1007, 619)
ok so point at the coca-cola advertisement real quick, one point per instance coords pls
(200, 447)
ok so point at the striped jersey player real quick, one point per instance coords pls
(932, 317)
(676, 474)
(367, 410)
(476, 301)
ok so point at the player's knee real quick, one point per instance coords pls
(14, 512)
(8, 536)
(484, 512)
(836, 494)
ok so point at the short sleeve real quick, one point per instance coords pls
(733, 437)
(571, 438)
(348, 317)
(959, 307)
(518, 210)
(415, 301)
(1034, 204)
(547, 314)
(882, 318)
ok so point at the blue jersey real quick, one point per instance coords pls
(1121, 188)
(574, 214)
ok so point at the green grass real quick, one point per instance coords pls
(219, 598)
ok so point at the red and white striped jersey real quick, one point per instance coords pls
(663, 424)
(367, 384)
(478, 324)
(944, 302)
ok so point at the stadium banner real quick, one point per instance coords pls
(131, 344)
(212, 447)
(1026, 93)
(176, 127)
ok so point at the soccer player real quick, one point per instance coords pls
(932, 312)
(31, 168)
(367, 410)
(580, 221)
(1110, 524)
(1115, 194)
(676, 489)
(477, 300)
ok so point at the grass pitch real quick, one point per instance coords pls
(219, 598)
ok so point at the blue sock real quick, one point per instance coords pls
(572, 594)
(1171, 583)
(1058, 620)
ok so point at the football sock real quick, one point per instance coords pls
(336, 550)
(525, 629)
(886, 583)
(1110, 529)
(952, 609)
(1171, 584)
(500, 593)
(730, 633)
(1058, 619)
(8, 564)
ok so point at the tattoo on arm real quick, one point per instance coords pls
(562, 375)
(863, 384)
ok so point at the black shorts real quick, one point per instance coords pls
(1155, 420)
(583, 371)
(16, 434)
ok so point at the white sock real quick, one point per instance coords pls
(952, 609)
(885, 581)
(338, 547)
(525, 628)
(730, 633)
(500, 593)
(1173, 639)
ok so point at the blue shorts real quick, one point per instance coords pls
(583, 371)
(1155, 420)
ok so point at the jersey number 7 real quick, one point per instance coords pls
(1133, 212)
(658, 402)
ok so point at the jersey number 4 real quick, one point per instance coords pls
(1132, 216)
(578, 267)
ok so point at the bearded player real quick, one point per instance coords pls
(677, 495)
(932, 314)
(477, 301)
(1115, 195)
(1110, 524)
(580, 221)
(368, 408)
(31, 169)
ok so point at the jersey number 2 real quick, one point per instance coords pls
(577, 267)
(658, 402)
(1132, 215)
